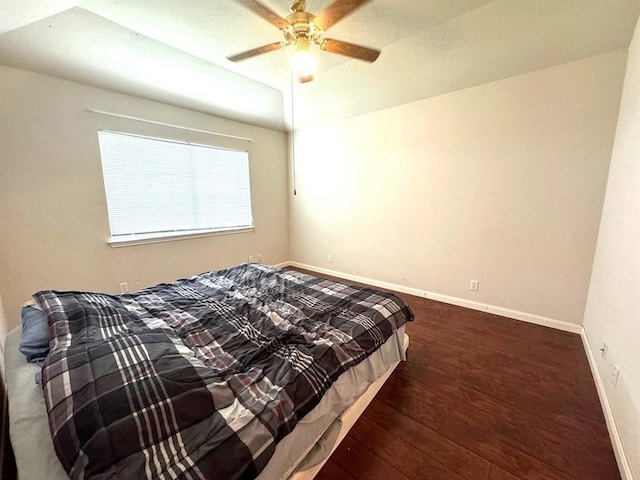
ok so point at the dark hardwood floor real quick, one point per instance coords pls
(481, 397)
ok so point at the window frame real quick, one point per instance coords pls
(141, 239)
(169, 236)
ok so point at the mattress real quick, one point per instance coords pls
(294, 456)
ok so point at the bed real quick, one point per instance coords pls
(248, 372)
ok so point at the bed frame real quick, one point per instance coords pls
(349, 417)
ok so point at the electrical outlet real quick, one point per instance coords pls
(330, 258)
(124, 287)
(259, 258)
(615, 373)
(473, 285)
(250, 258)
(603, 350)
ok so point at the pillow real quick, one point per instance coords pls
(35, 334)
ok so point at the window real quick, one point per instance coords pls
(160, 188)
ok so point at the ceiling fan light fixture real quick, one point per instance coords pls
(303, 64)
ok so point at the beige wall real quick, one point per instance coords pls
(53, 217)
(501, 183)
(613, 306)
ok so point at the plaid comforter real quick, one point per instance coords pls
(200, 378)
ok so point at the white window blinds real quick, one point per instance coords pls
(158, 186)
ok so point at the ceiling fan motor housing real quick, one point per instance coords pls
(301, 26)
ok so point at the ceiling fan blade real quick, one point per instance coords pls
(336, 12)
(255, 51)
(264, 12)
(350, 50)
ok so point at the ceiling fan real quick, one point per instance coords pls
(303, 29)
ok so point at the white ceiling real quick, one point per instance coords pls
(175, 52)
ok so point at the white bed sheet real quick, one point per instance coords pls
(36, 458)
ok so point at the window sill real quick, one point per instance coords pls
(131, 240)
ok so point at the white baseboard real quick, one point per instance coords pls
(616, 441)
(282, 265)
(461, 302)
